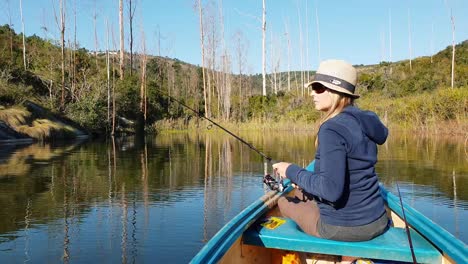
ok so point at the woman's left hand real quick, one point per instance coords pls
(280, 169)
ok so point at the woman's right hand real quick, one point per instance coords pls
(280, 169)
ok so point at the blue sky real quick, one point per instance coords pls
(357, 31)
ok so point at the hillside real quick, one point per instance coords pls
(89, 93)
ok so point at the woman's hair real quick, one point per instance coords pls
(339, 102)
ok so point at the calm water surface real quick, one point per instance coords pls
(160, 200)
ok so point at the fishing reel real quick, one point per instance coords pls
(272, 183)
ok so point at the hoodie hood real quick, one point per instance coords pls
(370, 124)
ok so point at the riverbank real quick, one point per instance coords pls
(449, 128)
(30, 122)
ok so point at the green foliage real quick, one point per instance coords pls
(427, 108)
(128, 94)
(398, 80)
(13, 91)
(389, 88)
(91, 114)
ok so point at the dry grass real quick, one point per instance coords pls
(43, 129)
(14, 117)
(19, 119)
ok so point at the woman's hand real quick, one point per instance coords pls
(280, 169)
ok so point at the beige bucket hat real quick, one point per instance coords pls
(337, 75)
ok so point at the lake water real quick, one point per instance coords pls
(159, 200)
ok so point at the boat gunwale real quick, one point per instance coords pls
(220, 243)
(447, 243)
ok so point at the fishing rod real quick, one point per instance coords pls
(271, 182)
(406, 226)
(200, 115)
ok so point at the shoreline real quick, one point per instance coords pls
(444, 129)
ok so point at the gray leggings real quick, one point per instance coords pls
(306, 214)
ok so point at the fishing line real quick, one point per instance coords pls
(200, 115)
(406, 225)
(271, 182)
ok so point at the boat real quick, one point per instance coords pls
(259, 234)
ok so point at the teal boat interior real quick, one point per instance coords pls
(392, 245)
(245, 240)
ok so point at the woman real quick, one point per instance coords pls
(340, 199)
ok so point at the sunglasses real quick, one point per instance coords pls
(319, 89)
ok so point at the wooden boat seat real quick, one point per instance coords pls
(392, 245)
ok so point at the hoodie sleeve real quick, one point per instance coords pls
(328, 182)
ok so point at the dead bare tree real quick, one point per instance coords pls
(390, 38)
(318, 33)
(227, 87)
(131, 14)
(289, 54)
(263, 48)
(96, 41)
(452, 20)
(24, 41)
(62, 41)
(122, 44)
(272, 62)
(432, 41)
(409, 40)
(202, 45)
(159, 41)
(113, 83)
(73, 51)
(307, 42)
(240, 62)
(70, 62)
(211, 47)
(108, 72)
(226, 69)
(61, 26)
(143, 77)
(10, 27)
(275, 62)
(301, 48)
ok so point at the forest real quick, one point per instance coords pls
(91, 89)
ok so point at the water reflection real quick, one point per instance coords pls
(159, 199)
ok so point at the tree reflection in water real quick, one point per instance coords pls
(159, 199)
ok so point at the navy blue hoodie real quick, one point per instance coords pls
(344, 174)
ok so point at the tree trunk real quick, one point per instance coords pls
(96, 44)
(240, 50)
(452, 19)
(113, 84)
(143, 79)
(131, 14)
(10, 33)
(409, 41)
(24, 42)
(108, 73)
(202, 44)
(301, 49)
(432, 41)
(62, 41)
(289, 56)
(263, 48)
(122, 45)
(74, 53)
(318, 33)
(307, 44)
(390, 39)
